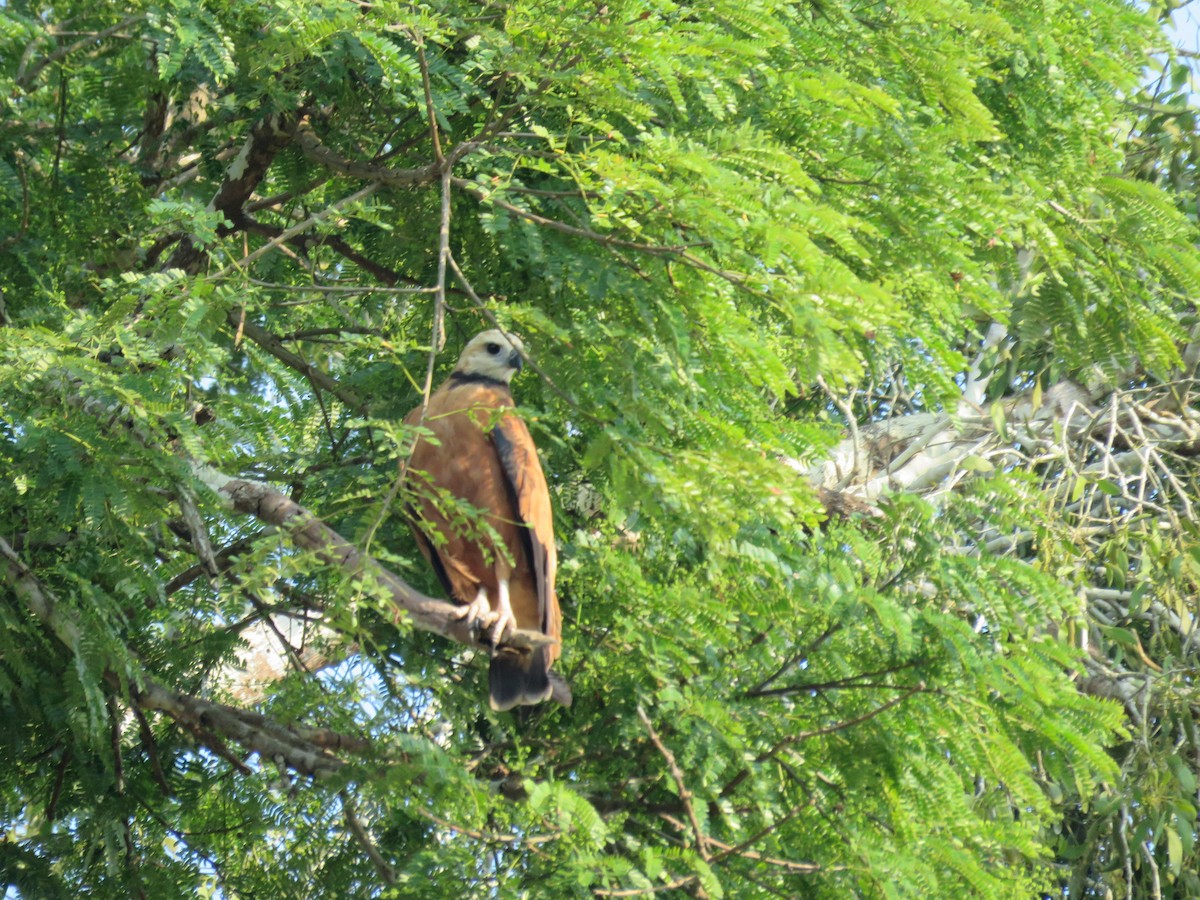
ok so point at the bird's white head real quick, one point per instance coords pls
(491, 355)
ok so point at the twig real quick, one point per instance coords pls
(213, 741)
(151, 748)
(829, 632)
(685, 796)
(530, 840)
(285, 196)
(224, 557)
(489, 197)
(25, 78)
(847, 412)
(312, 334)
(341, 288)
(274, 346)
(302, 242)
(114, 739)
(1155, 882)
(308, 223)
(850, 681)
(385, 869)
(642, 892)
(429, 110)
(314, 149)
(60, 776)
(742, 851)
(525, 357)
(436, 344)
(842, 726)
(439, 297)
(23, 227)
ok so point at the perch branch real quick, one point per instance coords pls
(310, 533)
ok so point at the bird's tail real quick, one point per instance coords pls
(523, 679)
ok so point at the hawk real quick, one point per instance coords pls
(500, 566)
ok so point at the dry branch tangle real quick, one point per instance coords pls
(921, 451)
(1114, 462)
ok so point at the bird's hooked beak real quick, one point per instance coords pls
(514, 360)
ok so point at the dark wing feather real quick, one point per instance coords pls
(531, 499)
(430, 552)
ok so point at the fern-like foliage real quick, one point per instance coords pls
(225, 237)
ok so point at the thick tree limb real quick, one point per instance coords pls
(242, 176)
(253, 731)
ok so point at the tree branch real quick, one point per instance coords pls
(386, 870)
(242, 176)
(685, 796)
(842, 726)
(299, 228)
(276, 348)
(26, 77)
(315, 150)
(310, 533)
(489, 197)
(302, 242)
(297, 747)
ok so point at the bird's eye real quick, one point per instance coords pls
(493, 349)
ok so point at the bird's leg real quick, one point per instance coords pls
(505, 620)
(478, 611)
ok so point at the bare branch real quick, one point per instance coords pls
(842, 726)
(303, 242)
(489, 197)
(685, 796)
(525, 357)
(439, 298)
(310, 533)
(385, 869)
(315, 149)
(299, 228)
(341, 288)
(742, 850)
(674, 885)
(197, 529)
(430, 113)
(528, 840)
(25, 78)
(274, 346)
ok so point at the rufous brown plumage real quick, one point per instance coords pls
(494, 550)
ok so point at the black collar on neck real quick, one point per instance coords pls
(460, 378)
